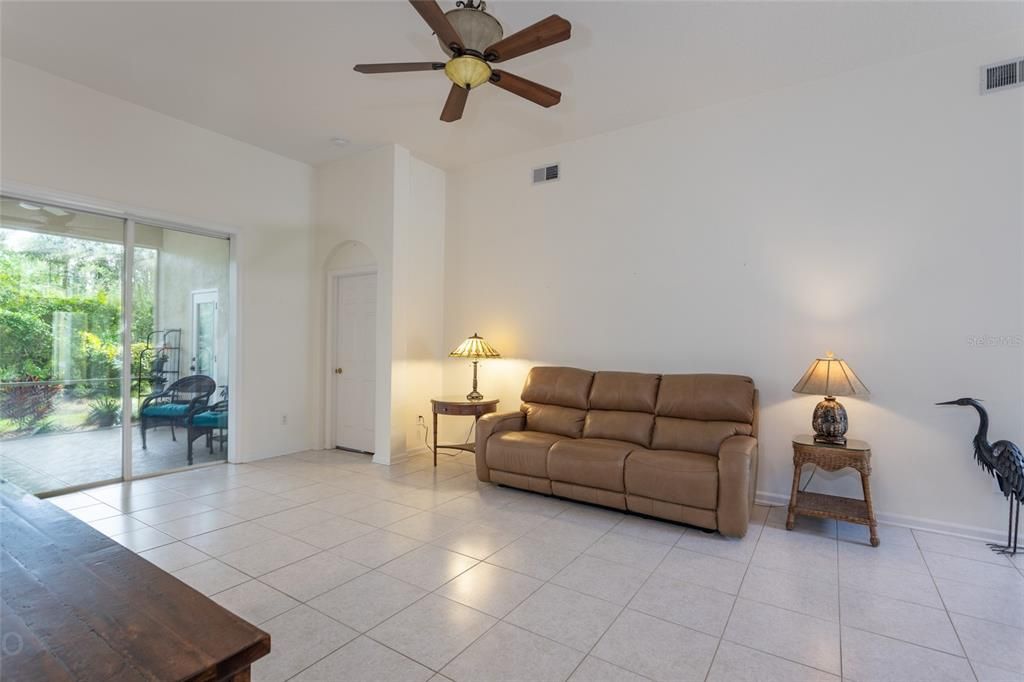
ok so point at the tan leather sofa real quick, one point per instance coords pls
(681, 447)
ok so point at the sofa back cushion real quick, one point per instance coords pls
(563, 421)
(629, 391)
(708, 397)
(696, 412)
(622, 407)
(693, 435)
(555, 400)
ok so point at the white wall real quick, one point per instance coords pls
(60, 136)
(188, 263)
(393, 205)
(419, 298)
(354, 212)
(877, 214)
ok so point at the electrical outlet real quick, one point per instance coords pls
(284, 420)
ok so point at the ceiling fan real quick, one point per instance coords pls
(473, 41)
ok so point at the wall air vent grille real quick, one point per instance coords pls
(545, 174)
(1003, 75)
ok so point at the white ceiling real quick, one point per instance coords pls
(279, 74)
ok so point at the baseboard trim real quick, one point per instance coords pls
(915, 522)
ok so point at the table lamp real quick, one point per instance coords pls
(475, 348)
(830, 376)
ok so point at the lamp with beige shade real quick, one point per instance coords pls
(830, 376)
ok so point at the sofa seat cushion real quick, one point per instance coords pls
(521, 452)
(686, 478)
(591, 462)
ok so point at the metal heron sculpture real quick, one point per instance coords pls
(1003, 460)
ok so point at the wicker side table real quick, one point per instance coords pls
(855, 454)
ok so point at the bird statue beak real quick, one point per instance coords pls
(948, 402)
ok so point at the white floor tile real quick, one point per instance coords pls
(902, 620)
(595, 670)
(656, 649)
(432, 631)
(998, 605)
(362, 659)
(211, 576)
(991, 643)
(311, 577)
(791, 591)
(602, 579)
(703, 569)
(650, 529)
(509, 654)
(811, 641)
(143, 539)
(376, 548)
(736, 663)
(873, 658)
(491, 589)
(682, 603)
(366, 601)
(629, 551)
(255, 602)
(428, 567)
(565, 616)
(476, 540)
(299, 638)
(268, 555)
(533, 557)
(174, 556)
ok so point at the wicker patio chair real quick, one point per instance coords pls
(175, 405)
(214, 418)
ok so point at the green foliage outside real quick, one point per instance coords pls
(60, 326)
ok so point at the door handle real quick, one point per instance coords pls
(338, 370)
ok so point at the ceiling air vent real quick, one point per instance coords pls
(1003, 75)
(545, 174)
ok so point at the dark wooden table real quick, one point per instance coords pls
(78, 606)
(463, 407)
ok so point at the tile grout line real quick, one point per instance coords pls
(736, 598)
(949, 618)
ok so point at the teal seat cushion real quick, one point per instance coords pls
(217, 420)
(166, 410)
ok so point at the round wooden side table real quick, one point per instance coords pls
(854, 454)
(459, 406)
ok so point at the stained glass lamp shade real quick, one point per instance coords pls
(475, 349)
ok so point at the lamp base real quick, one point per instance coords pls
(830, 422)
(474, 395)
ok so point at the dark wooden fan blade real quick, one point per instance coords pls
(545, 32)
(438, 22)
(535, 92)
(398, 67)
(455, 104)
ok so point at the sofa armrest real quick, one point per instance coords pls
(737, 479)
(489, 425)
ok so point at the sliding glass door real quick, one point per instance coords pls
(180, 377)
(113, 340)
(61, 280)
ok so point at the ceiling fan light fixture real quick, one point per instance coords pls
(467, 71)
(478, 29)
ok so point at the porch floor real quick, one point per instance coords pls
(50, 462)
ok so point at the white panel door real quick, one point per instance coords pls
(355, 356)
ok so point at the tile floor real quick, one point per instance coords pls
(366, 573)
